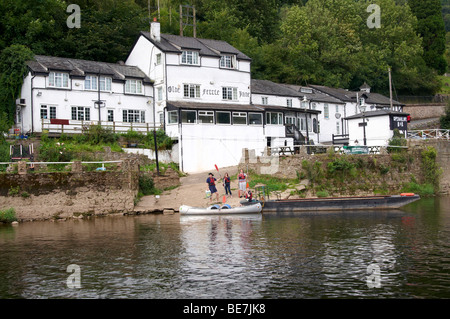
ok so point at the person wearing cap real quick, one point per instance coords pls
(211, 182)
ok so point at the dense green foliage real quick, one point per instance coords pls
(8, 215)
(12, 71)
(432, 29)
(295, 41)
(445, 119)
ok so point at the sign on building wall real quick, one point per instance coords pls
(398, 122)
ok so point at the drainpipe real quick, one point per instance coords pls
(32, 102)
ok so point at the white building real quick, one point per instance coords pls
(204, 99)
(375, 128)
(63, 95)
(353, 100)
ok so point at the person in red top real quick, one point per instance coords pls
(211, 182)
(242, 178)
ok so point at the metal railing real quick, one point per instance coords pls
(429, 134)
(78, 127)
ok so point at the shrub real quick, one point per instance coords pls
(8, 215)
(146, 185)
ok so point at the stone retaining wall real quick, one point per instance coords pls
(69, 194)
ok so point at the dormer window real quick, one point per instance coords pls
(189, 57)
(228, 61)
(133, 86)
(58, 80)
(91, 83)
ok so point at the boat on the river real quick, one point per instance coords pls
(338, 203)
(226, 209)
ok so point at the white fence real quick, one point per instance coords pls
(78, 127)
(429, 134)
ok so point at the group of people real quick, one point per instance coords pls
(243, 189)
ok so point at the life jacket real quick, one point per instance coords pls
(249, 196)
(211, 181)
(226, 180)
(241, 176)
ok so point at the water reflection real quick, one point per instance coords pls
(306, 255)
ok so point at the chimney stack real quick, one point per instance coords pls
(155, 30)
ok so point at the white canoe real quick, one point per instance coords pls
(220, 210)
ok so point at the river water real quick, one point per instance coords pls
(377, 254)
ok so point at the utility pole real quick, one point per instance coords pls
(390, 88)
(185, 12)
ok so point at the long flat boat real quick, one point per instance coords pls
(255, 208)
(339, 203)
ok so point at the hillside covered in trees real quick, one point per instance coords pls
(290, 41)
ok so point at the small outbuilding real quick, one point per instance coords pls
(375, 128)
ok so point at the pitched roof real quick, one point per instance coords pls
(350, 96)
(341, 94)
(206, 47)
(75, 67)
(376, 113)
(271, 88)
(315, 96)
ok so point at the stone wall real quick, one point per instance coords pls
(443, 159)
(399, 171)
(69, 194)
(424, 111)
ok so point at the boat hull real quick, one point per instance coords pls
(339, 203)
(249, 209)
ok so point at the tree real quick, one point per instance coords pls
(12, 71)
(432, 29)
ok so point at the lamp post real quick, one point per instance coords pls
(362, 108)
(305, 100)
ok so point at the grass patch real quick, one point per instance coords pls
(273, 183)
(8, 215)
(424, 190)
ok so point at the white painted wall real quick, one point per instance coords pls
(204, 145)
(36, 93)
(377, 131)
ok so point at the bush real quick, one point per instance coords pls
(146, 185)
(445, 119)
(8, 215)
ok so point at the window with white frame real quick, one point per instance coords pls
(58, 80)
(229, 93)
(274, 118)
(255, 118)
(228, 61)
(206, 117)
(189, 57)
(91, 83)
(110, 115)
(264, 100)
(158, 59)
(160, 93)
(81, 113)
(188, 116)
(337, 108)
(191, 91)
(223, 117)
(338, 128)
(172, 117)
(133, 116)
(48, 112)
(289, 102)
(133, 86)
(239, 118)
(326, 111)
